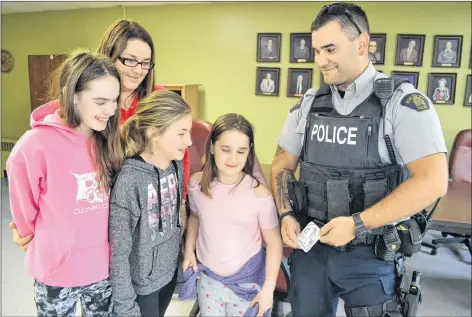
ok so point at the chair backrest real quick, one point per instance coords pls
(460, 160)
(200, 131)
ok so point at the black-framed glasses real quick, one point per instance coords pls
(339, 9)
(133, 63)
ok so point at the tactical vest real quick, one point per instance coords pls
(340, 163)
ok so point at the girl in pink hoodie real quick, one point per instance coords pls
(59, 173)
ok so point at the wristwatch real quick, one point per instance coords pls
(361, 230)
(287, 213)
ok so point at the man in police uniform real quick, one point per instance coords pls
(336, 133)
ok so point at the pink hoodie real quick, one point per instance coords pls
(54, 195)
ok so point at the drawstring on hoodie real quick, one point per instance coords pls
(159, 200)
(178, 194)
(159, 196)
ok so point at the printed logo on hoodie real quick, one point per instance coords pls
(168, 192)
(87, 190)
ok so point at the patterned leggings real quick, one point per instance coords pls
(95, 299)
(216, 299)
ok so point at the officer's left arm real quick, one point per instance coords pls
(419, 142)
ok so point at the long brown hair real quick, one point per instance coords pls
(227, 122)
(154, 115)
(114, 42)
(72, 77)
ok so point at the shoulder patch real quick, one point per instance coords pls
(415, 101)
(297, 105)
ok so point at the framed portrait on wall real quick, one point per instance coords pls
(377, 48)
(299, 81)
(447, 51)
(442, 88)
(412, 77)
(268, 47)
(410, 49)
(301, 50)
(267, 81)
(468, 92)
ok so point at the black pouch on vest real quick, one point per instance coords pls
(297, 196)
(374, 191)
(387, 245)
(339, 198)
(411, 233)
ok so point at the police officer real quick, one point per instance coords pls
(353, 154)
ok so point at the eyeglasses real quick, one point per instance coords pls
(339, 9)
(133, 63)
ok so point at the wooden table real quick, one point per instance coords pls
(453, 213)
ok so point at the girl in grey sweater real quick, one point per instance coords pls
(145, 206)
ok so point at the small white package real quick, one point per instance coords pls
(309, 236)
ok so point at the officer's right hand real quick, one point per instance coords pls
(290, 229)
(22, 242)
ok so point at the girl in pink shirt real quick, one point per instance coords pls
(231, 211)
(59, 173)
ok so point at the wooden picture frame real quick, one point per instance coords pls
(442, 88)
(301, 50)
(267, 85)
(468, 92)
(377, 48)
(447, 51)
(268, 47)
(412, 77)
(299, 80)
(470, 57)
(410, 48)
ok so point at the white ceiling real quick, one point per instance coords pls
(35, 6)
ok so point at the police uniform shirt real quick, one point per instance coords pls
(411, 120)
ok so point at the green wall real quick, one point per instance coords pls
(215, 45)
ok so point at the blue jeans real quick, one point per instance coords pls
(323, 275)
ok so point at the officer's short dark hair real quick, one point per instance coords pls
(356, 12)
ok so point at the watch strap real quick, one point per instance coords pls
(287, 213)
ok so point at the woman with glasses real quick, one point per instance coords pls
(131, 48)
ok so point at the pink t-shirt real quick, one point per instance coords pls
(230, 224)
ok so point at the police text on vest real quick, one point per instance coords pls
(329, 134)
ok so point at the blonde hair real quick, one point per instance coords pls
(154, 114)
